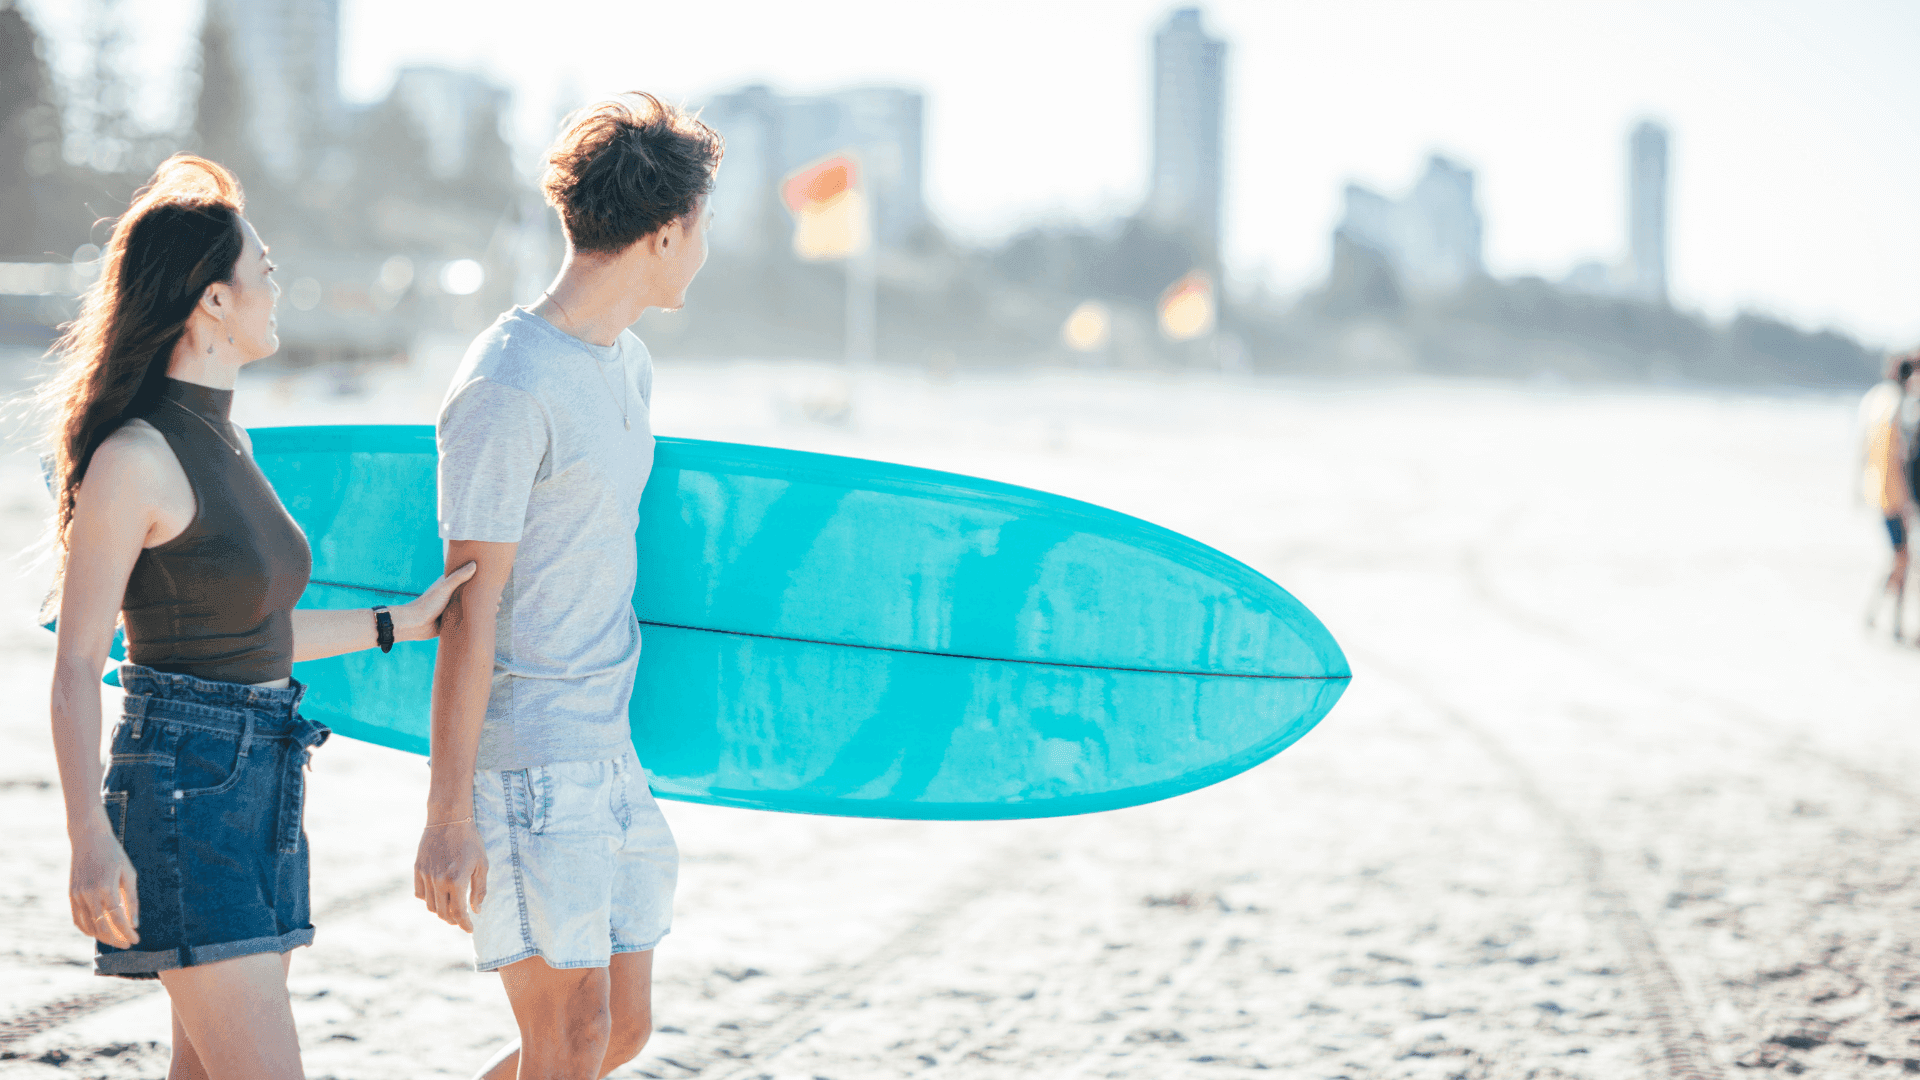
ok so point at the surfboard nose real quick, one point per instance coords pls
(867, 554)
(874, 640)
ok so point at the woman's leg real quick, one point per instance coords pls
(186, 1064)
(237, 1018)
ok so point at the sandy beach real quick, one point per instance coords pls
(1621, 788)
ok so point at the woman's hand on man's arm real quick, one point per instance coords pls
(324, 632)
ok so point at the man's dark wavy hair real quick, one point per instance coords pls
(627, 166)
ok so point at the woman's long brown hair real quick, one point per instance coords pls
(181, 234)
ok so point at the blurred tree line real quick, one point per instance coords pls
(36, 183)
(1007, 305)
(368, 191)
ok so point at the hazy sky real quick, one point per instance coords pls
(1796, 126)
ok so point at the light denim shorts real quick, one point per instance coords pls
(580, 864)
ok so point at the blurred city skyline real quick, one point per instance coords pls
(1791, 126)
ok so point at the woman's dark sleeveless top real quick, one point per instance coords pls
(216, 602)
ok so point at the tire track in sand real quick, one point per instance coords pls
(808, 1011)
(1780, 1013)
(47, 1015)
(1064, 985)
(1791, 747)
(1683, 1043)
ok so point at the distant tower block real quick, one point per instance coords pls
(1431, 238)
(1189, 99)
(288, 53)
(770, 134)
(1647, 210)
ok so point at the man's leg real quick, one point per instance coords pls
(503, 1065)
(632, 1003)
(564, 1017)
(629, 1003)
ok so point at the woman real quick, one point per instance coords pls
(193, 866)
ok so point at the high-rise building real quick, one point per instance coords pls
(450, 109)
(887, 124)
(770, 134)
(1432, 237)
(747, 215)
(1441, 227)
(1189, 105)
(1647, 210)
(288, 56)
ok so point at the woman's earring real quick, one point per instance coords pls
(229, 339)
(209, 350)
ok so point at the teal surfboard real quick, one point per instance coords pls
(836, 636)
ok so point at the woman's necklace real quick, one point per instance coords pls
(204, 420)
(622, 401)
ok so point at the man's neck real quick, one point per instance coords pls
(593, 299)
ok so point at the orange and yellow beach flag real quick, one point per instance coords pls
(829, 209)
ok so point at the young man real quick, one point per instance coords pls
(538, 810)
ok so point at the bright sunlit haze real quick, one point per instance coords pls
(1795, 137)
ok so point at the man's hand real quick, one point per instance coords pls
(451, 861)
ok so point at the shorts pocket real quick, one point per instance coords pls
(116, 804)
(579, 799)
(529, 797)
(206, 763)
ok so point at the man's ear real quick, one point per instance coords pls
(648, 246)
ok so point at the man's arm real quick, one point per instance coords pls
(322, 632)
(451, 860)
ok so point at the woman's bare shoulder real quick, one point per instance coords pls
(136, 455)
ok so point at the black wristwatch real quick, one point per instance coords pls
(383, 629)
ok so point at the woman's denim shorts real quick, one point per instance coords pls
(205, 793)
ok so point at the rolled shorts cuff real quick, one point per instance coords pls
(648, 947)
(135, 964)
(599, 962)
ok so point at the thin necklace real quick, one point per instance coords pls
(622, 402)
(204, 420)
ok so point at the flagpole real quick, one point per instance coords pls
(862, 305)
(833, 219)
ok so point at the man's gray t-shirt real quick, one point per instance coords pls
(533, 451)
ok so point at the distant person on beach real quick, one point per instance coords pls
(1886, 483)
(190, 864)
(1910, 423)
(542, 838)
